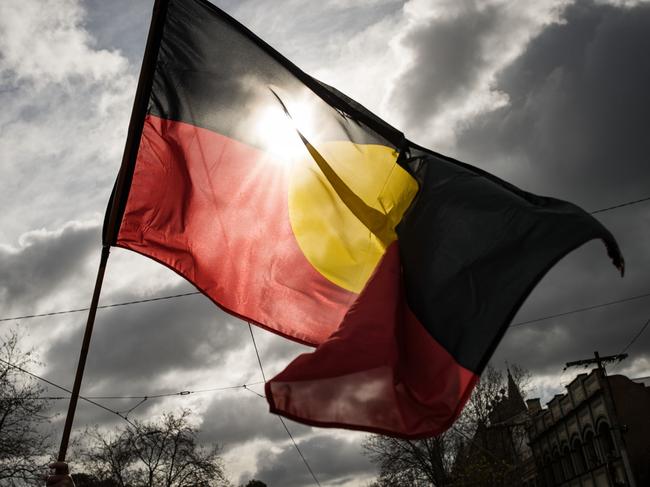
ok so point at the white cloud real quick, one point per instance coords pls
(623, 3)
(65, 109)
(451, 52)
(43, 42)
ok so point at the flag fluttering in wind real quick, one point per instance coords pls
(293, 207)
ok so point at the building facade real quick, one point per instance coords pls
(574, 442)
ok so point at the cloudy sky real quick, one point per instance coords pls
(550, 95)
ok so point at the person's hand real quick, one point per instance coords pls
(61, 476)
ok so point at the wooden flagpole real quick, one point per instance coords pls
(118, 199)
(85, 345)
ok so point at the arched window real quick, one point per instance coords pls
(590, 450)
(606, 440)
(578, 456)
(567, 464)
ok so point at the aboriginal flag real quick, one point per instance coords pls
(293, 207)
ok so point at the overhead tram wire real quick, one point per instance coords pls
(636, 337)
(65, 389)
(259, 361)
(157, 396)
(579, 310)
(519, 323)
(629, 345)
(628, 203)
(114, 305)
(91, 399)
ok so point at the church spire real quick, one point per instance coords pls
(514, 394)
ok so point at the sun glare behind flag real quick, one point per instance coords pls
(293, 207)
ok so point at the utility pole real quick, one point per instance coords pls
(610, 405)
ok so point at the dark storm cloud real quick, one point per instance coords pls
(447, 60)
(44, 263)
(575, 127)
(576, 122)
(239, 416)
(333, 461)
(134, 345)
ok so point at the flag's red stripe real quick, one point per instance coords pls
(215, 210)
(381, 371)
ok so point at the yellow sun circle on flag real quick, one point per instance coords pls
(330, 210)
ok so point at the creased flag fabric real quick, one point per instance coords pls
(293, 207)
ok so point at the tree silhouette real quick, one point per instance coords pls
(23, 439)
(457, 457)
(152, 454)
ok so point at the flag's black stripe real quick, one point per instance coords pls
(213, 72)
(474, 247)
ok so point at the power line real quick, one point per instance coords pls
(629, 203)
(259, 361)
(179, 393)
(49, 382)
(627, 347)
(161, 298)
(91, 399)
(156, 396)
(114, 305)
(254, 392)
(580, 310)
(636, 337)
(130, 410)
(257, 353)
